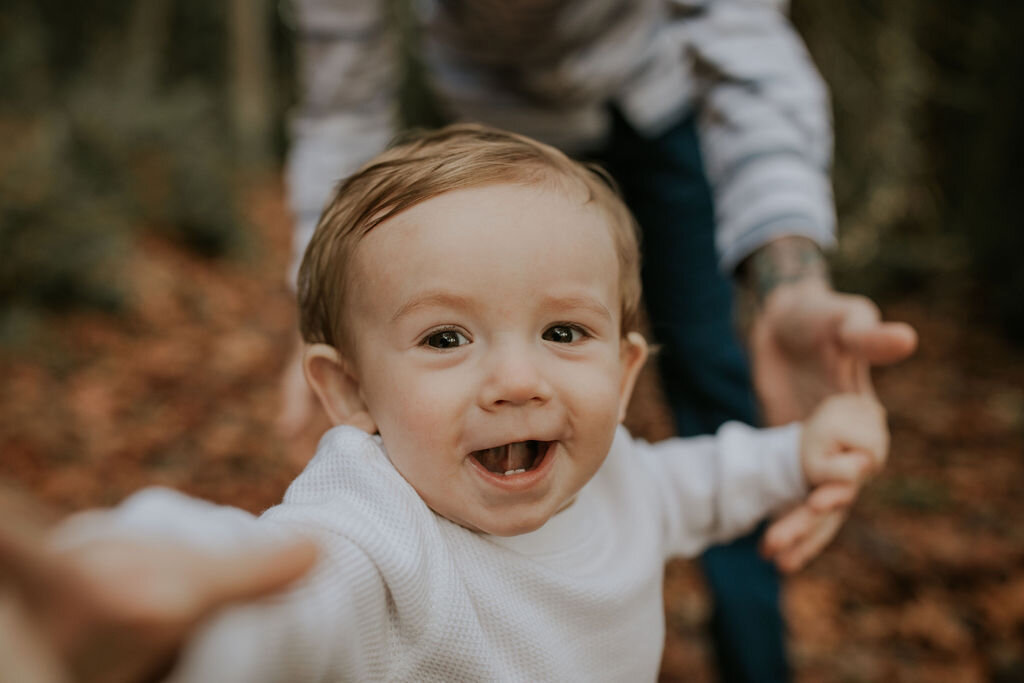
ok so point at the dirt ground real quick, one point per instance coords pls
(925, 582)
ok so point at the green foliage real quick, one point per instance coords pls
(916, 494)
(101, 141)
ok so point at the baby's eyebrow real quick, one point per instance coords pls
(443, 299)
(578, 302)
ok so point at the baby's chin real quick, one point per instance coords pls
(522, 524)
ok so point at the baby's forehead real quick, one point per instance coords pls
(495, 197)
(507, 210)
(464, 232)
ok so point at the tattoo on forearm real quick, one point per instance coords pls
(783, 261)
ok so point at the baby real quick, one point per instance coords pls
(470, 302)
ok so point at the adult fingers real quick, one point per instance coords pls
(862, 333)
(19, 558)
(24, 559)
(850, 467)
(25, 654)
(862, 379)
(883, 344)
(786, 531)
(828, 497)
(797, 555)
(255, 572)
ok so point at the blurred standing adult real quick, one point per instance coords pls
(714, 121)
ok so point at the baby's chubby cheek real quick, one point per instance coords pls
(416, 423)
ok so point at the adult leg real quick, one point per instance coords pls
(703, 368)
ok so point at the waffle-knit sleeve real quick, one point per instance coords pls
(711, 489)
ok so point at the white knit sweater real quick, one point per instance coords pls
(402, 594)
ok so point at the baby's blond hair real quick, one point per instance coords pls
(424, 166)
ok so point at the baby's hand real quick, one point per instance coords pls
(117, 611)
(844, 442)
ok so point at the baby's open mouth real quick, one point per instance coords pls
(512, 458)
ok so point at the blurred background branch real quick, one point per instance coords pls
(251, 83)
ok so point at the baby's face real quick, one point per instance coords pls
(488, 351)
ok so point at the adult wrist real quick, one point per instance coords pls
(785, 263)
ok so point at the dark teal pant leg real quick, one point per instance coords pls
(703, 368)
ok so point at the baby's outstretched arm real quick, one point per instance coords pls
(118, 610)
(845, 441)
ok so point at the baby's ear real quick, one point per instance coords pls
(633, 354)
(336, 387)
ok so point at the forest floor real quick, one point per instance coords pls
(925, 582)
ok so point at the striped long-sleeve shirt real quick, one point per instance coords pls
(549, 68)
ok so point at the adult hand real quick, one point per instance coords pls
(25, 655)
(809, 342)
(800, 535)
(117, 611)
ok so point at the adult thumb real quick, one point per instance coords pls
(849, 467)
(879, 343)
(256, 572)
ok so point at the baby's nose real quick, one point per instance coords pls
(514, 378)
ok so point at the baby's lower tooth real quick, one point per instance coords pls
(519, 471)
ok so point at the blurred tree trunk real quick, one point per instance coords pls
(879, 79)
(249, 59)
(976, 120)
(928, 104)
(148, 30)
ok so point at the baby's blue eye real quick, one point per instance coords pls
(563, 334)
(445, 339)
